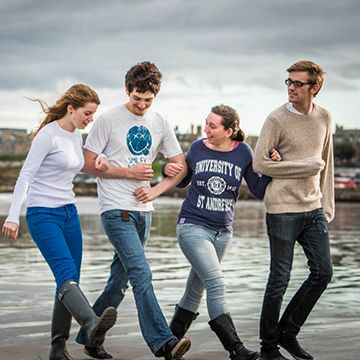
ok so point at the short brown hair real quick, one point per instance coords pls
(143, 77)
(314, 70)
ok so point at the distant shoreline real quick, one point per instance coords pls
(340, 194)
(84, 185)
(89, 189)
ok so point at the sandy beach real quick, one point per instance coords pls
(25, 332)
(26, 290)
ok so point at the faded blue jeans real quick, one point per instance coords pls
(310, 230)
(57, 234)
(204, 248)
(128, 232)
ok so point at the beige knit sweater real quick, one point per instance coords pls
(304, 179)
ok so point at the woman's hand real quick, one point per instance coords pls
(101, 164)
(145, 194)
(275, 155)
(10, 229)
(173, 169)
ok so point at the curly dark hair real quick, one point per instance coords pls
(144, 76)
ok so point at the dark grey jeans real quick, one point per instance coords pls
(310, 230)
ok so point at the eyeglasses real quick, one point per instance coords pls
(297, 83)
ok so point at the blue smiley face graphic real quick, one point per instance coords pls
(139, 140)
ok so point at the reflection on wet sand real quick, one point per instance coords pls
(26, 286)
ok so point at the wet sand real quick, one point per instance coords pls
(332, 337)
(331, 334)
(26, 290)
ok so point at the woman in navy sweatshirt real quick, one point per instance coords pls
(216, 166)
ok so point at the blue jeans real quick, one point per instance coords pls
(128, 232)
(204, 248)
(57, 234)
(310, 230)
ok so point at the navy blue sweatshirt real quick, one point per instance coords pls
(215, 178)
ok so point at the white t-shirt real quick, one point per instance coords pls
(127, 139)
(46, 178)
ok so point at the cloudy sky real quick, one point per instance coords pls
(229, 51)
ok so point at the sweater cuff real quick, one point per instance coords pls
(163, 170)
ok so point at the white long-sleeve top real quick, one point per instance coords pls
(46, 178)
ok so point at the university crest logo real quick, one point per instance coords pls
(216, 185)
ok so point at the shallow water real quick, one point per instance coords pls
(25, 279)
(245, 265)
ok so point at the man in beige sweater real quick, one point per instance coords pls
(299, 203)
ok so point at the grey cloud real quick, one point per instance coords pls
(215, 42)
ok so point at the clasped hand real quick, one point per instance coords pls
(275, 155)
(172, 169)
(141, 171)
(101, 164)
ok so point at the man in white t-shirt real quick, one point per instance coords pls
(130, 136)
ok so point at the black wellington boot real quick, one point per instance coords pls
(181, 321)
(75, 301)
(60, 330)
(224, 328)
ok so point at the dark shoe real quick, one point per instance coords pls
(292, 346)
(181, 321)
(97, 352)
(174, 349)
(273, 355)
(242, 353)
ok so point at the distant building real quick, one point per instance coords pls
(185, 139)
(348, 136)
(14, 141)
(251, 140)
(341, 136)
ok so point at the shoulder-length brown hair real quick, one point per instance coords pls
(77, 96)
